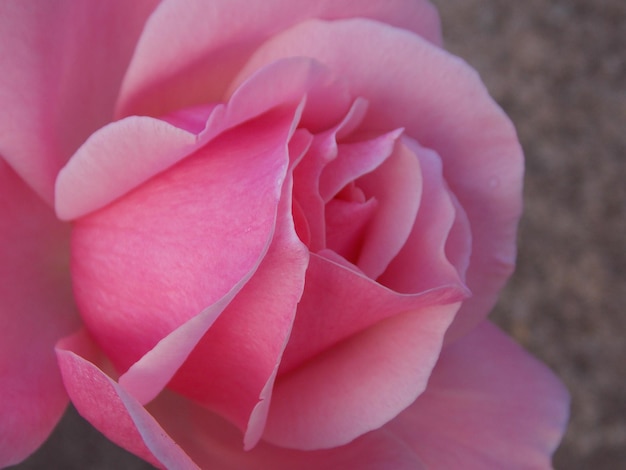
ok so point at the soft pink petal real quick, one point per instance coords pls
(215, 443)
(345, 224)
(62, 65)
(115, 159)
(307, 173)
(232, 369)
(359, 384)
(351, 302)
(147, 377)
(346, 351)
(488, 404)
(155, 258)
(112, 410)
(36, 308)
(355, 159)
(191, 51)
(422, 262)
(442, 103)
(397, 186)
(128, 152)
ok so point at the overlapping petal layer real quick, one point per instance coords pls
(350, 346)
(190, 52)
(126, 153)
(441, 103)
(36, 310)
(152, 260)
(62, 65)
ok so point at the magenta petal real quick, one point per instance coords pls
(489, 404)
(185, 61)
(441, 103)
(113, 411)
(62, 65)
(36, 308)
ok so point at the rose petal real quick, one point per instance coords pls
(347, 337)
(442, 103)
(488, 404)
(184, 61)
(307, 173)
(355, 159)
(397, 186)
(359, 384)
(422, 262)
(250, 336)
(215, 443)
(94, 176)
(112, 410)
(36, 309)
(100, 172)
(152, 260)
(345, 223)
(62, 64)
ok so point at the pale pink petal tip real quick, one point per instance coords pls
(489, 404)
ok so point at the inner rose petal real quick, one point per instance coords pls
(307, 173)
(397, 186)
(355, 159)
(345, 224)
(429, 239)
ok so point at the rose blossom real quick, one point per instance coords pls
(285, 223)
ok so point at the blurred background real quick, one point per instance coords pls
(558, 67)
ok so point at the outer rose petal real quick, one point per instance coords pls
(112, 410)
(190, 51)
(36, 308)
(441, 103)
(488, 404)
(209, 440)
(216, 444)
(62, 64)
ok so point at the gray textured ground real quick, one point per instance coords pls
(559, 69)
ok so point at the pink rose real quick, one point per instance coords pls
(286, 222)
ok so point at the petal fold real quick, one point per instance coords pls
(184, 62)
(112, 410)
(147, 263)
(442, 103)
(350, 346)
